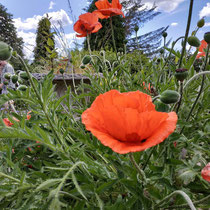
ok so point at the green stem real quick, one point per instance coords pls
(148, 158)
(181, 96)
(139, 51)
(113, 39)
(195, 203)
(140, 172)
(201, 88)
(40, 99)
(88, 43)
(9, 177)
(64, 82)
(183, 194)
(186, 33)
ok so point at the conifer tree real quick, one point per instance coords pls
(45, 45)
(8, 34)
(136, 14)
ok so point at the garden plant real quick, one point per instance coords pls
(135, 137)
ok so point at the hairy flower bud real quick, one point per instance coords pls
(169, 96)
(5, 51)
(181, 74)
(86, 60)
(164, 34)
(61, 71)
(207, 37)
(193, 41)
(136, 28)
(201, 23)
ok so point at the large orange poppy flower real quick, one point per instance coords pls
(205, 173)
(128, 122)
(106, 9)
(201, 49)
(87, 24)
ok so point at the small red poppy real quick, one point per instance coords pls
(7, 122)
(128, 122)
(201, 49)
(87, 24)
(205, 173)
(106, 9)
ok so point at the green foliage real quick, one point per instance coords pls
(8, 34)
(45, 46)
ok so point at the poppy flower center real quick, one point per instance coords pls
(134, 137)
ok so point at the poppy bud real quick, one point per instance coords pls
(14, 78)
(193, 41)
(86, 60)
(14, 53)
(82, 67)
(164, 34)
(169, 96)
(22, 87)
(126, 41)
(207, 37)
(181, 74)
(205, 173)
(5, 51)
(7, 76)
(61, 71)
(71, 60)
(136, 28)
(5, 82)
(161, 51)
(23, 75)
(201, 23)
(161, 107)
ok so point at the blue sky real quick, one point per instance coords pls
(27, 13)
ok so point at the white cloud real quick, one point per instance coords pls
(207, 24)
(205, 11)
(165, 5)
(29, 43)
(59, 16)
(31, 23)
(51, 5)
(174, 24)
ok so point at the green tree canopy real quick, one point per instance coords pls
(8, 34)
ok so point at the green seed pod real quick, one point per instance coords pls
(61, 71)
(207, 37)
(82, 67)
(5, 51)
(22, 88)
(161, 107)
(136, 28)
(164, 34)
(181, 74)
(14, 78)
(161, 51)
(23, 75)
(7, 76)
(169, 96)
(86, 60)
(193, 41)
(5, 82)
(71, 60)
(201, 23)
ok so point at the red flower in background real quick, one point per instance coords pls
(128, 122)
(201, 49)
(106, 9)
(205, 173)
(7, 122)
(87, 24)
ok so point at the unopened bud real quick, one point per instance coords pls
(169, 96)
(181, 74)
(193, 41)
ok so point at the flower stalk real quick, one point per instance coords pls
(113, 39)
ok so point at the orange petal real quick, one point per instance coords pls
(116, 4)
(202, 54)
(103, 4)
(205, 173)
(202, 46)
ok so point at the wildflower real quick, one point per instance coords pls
(205, 173)
(87, 24)
(106, 9)
(7, 122)
(201, 49)
(128, 122)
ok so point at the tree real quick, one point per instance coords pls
(136, 14)
(8, 34)
(45, 45)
